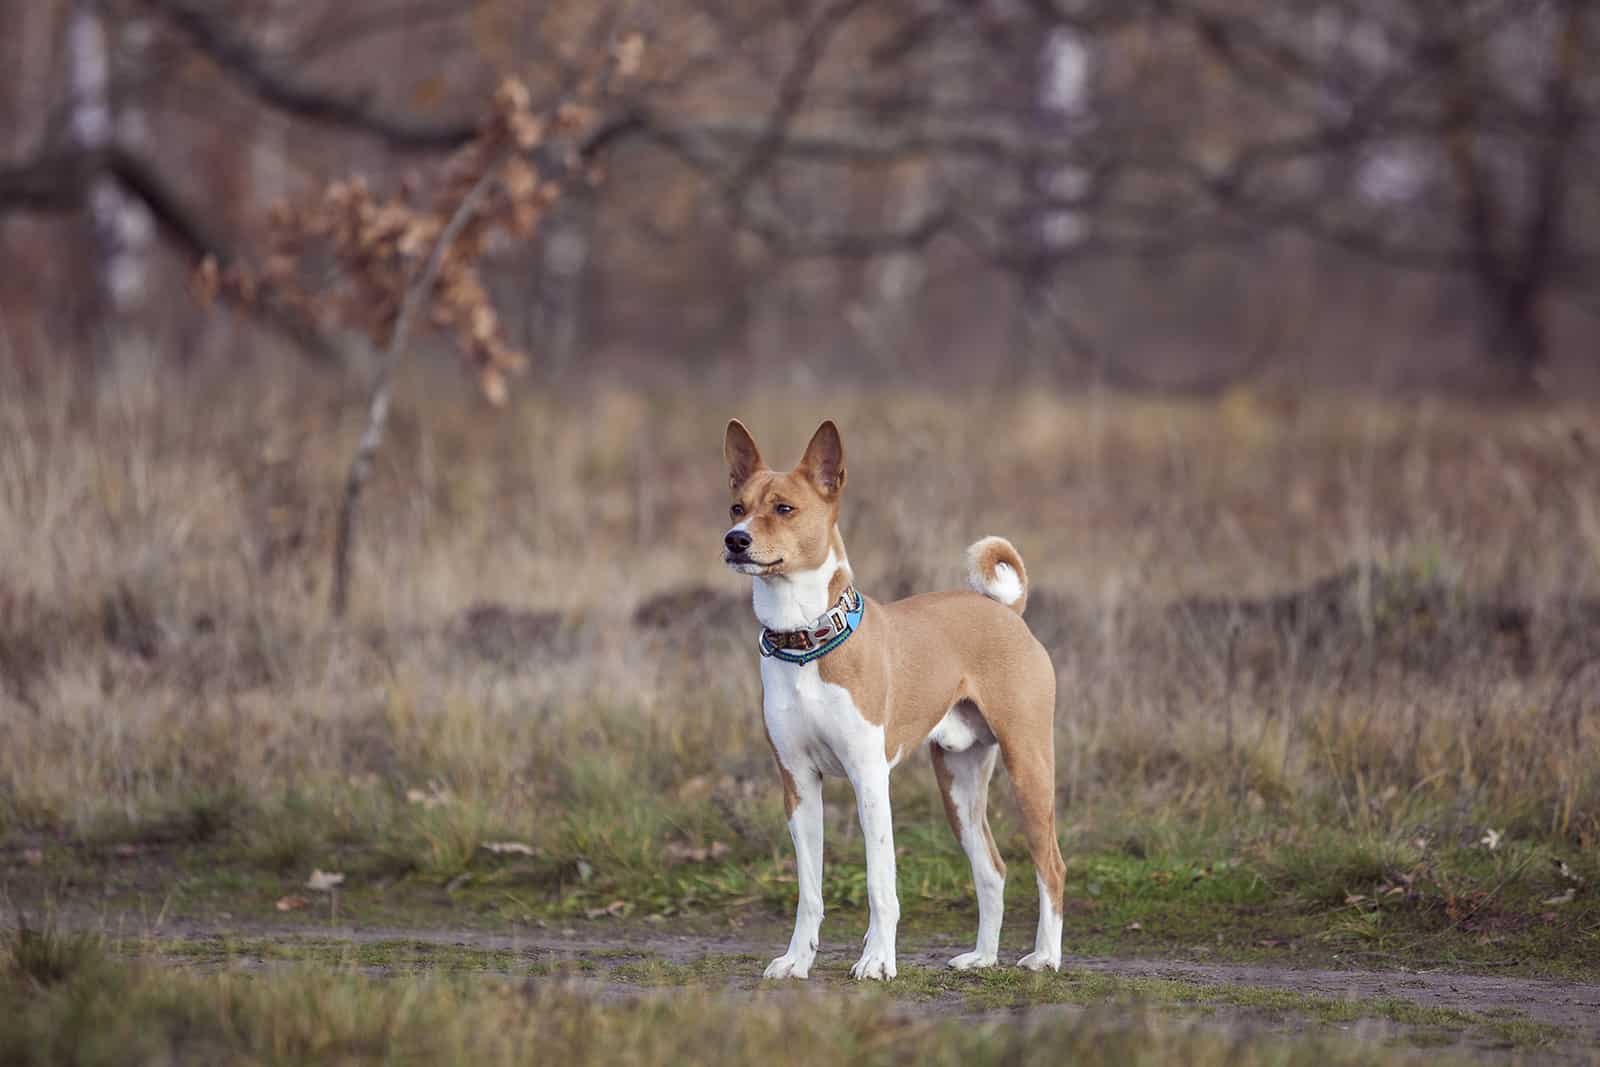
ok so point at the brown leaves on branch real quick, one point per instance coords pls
(349, 254)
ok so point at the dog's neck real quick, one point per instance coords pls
(793, 601)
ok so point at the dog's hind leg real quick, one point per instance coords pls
(1031, 766)
(964, 783)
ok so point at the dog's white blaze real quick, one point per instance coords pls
(817, 728)
(743, 526)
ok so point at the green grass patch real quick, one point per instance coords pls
(1253, 889)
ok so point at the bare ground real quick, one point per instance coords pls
(1574, 1007)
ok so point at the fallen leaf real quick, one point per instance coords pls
(682, 852)
(1566, 872)
(697, 788)
(1134, 926)
(126, 849)
(1272, 942)
(33, 857)
(1355, 898)
(1564, 898)
(1392, 890)
(1491, 839)
(292, 903)
(616, 907)
(324, 881)
(509, 848)
(435, 796)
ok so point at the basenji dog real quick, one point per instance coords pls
(850, 687)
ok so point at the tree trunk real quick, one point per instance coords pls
(120, 228)
(1515, 335)
(556, 297)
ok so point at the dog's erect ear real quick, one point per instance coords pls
(743, 457)
(823, 462)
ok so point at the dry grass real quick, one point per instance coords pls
(163, 634)
(72, 1003)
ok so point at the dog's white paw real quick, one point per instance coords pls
(875, 964)
(971, 961)
(1038, 961)
(788, 966)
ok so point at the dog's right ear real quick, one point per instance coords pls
(743, 457)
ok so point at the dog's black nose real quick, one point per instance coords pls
(737, 541)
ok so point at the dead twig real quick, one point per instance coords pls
(416, 294)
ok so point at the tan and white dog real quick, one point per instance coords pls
(851, 686)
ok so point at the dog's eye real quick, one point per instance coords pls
(737, 510)
(783, 509)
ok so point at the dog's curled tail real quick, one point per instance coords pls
(994, 567)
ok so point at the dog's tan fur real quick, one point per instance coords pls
(914, 661)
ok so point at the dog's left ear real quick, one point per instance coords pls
(823, 462)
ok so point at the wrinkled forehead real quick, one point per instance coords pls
(765, 485)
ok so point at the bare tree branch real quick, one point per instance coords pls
(352, 27)
(58, 181)
(275, 85)
(792, 91)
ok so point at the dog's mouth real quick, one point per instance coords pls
(744, 564)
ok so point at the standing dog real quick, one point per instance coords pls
(850, 686)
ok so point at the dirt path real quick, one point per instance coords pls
(1573, 1006)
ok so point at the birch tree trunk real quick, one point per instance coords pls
(557, 287)
(887, 319)
(120, 227)
(269, 173)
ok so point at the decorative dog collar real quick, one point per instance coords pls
(822, 636)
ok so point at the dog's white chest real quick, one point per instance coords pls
(814, 723)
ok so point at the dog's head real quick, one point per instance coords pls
(782, 522)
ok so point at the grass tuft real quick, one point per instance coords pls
(49, 955)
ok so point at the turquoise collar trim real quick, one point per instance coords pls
(821, 637)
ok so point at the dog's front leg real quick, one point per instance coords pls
(805, 827)
(877, 829)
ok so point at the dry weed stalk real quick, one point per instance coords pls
(392, 259)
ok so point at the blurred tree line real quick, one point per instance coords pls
(1171, 193)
